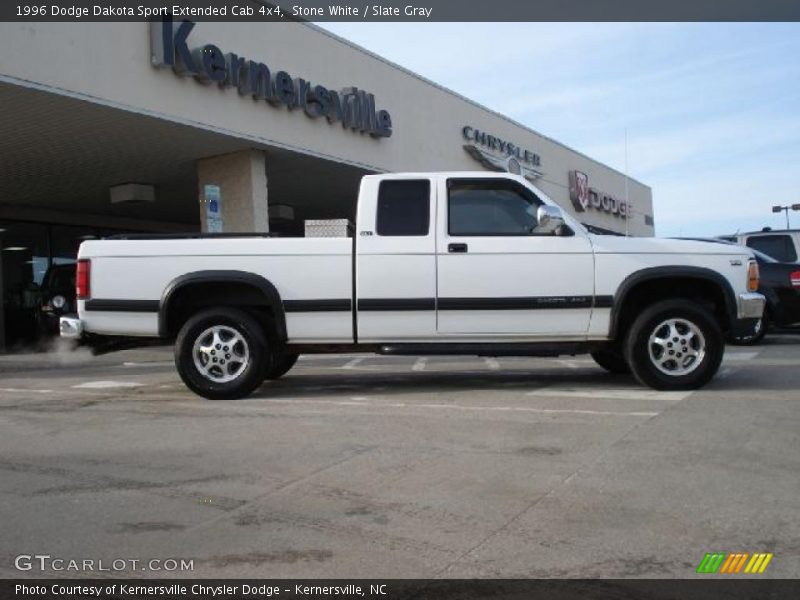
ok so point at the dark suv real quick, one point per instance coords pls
(57, 297)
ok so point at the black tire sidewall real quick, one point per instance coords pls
(611, 359)
(280, 363)
(638, 355)
(251, 377)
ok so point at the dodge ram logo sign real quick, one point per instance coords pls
(584, 197)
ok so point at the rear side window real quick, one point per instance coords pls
(779, 247)
(404, 207)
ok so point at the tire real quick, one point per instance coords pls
(751, 340)
(611, 360)
(211, 332)
(279, 364)
(697, 353)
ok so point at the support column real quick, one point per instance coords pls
(241, 179)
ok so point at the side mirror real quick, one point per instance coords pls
(550, 219)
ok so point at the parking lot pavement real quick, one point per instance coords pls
(372, 466)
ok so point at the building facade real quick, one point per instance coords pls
(161, 127)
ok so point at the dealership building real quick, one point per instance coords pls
(221, 126)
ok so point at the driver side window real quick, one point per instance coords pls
(486, 207)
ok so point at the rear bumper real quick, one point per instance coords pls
(70, 326)
(751, 305)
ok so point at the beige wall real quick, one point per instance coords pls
(110, 63)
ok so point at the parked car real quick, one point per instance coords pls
(779, 283)
(441, 263)
(57, 298)
(781, 244)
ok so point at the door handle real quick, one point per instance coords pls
(462, 248)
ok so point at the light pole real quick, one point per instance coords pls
(786, 209)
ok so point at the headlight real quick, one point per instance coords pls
(58, 301)
(752, 276)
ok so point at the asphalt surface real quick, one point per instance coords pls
(368, 466)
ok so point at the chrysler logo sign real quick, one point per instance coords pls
(583, 197)
(485, 149)
(353, 108)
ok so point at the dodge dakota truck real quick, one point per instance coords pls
(440, 263)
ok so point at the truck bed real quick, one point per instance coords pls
(308, 273)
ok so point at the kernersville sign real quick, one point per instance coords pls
(353, 108)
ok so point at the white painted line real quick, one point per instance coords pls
(26, 390)
(613, 394)
(741, 355)
(161, 363)
(569, 363)
(462, 407)
(724, 373)
(492, 364)
(353, 363)
(100, 385)
(419, 364)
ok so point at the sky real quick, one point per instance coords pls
(711, 110)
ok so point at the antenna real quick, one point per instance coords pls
(627, 202)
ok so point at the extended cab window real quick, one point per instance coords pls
(404, 207)
(779, 247)
(491, 207)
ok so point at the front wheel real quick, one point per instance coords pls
(221, 354)
(674, 345)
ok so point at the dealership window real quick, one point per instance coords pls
(779, 247)
(486, 207)
(24, 258)
(404, 207)
(27, 251)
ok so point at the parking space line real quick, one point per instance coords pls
(611, 393)
(569, 363)
(101, 385)
(492, 364)
(353, 363)
(14, 390)
(466, 408)
(161, 363)
(419, 364)
(741, 355)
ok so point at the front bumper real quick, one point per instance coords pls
(70, 326)
(751, 305)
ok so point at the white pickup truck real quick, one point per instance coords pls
(441, 263)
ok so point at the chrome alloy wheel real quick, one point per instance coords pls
(220, 354)
(676, 347)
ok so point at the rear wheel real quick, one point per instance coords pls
(674, 345)
(611, 359)
(279, 364)
(221, 354)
